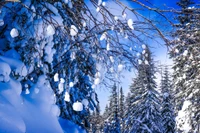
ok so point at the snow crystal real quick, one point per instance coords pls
(185, 53)
(71, 84)
(73, 30)
(124, 15)
(103, 36)
(27, 91)
(98, 75)
(130, 48)
(120, 67)
(130, 24)
(144, 46)
(104, 4)
(116, 18)
(138, 54)
(108, 47)
(4, 72)
(1, 22)
(14, 33)
(98, 9)
(111, 59)
(139, 62)
(67, 97)
(77, 106)
(85, 102)
(62, 80)
(56, 79)
(97, 81)
(50, 30)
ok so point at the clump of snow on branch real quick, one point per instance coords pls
(77, 106)
(14, 33)
(130, 24)
(73, 30)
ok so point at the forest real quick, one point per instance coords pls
(56, 54)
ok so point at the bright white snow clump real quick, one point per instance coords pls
(14, 33)
(73, 30)
(50, 30)
(71, 84)
(104, 4)
(144, 46)
(56, 78)
(97, 81)
(98, 9)
(103, 36)
(120, 67)
(77, 106)
(67, 97)
(124, 15)
(130, 24)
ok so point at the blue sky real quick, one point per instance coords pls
(159, 51)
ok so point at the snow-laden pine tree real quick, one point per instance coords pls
(185, 54)
(167, 112)
(146, 117)
(127, 113)
(121, 109)
(115, 120)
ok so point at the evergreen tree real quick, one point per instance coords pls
(115, 121)
(167, 112)
(147, 116)
(127, 113)
(112, 122)
(185, 54)
(121, 109)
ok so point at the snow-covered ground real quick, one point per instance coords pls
(27, 111)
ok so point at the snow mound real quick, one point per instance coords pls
(16, 65)
(4, 72)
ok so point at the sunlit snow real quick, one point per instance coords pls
(73, 30)
(77, 106)
(14, 33)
